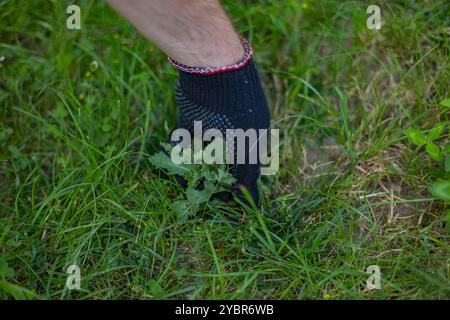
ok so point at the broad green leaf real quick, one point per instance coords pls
(4, 134)
(441, 190)
(436, 132)
(106, 127)
(60, 111)
(417, 137)
(446, 149)
(434, 151)
(447, 164)
(11, 243)
(17, 292)
(445, 103)
(154, 288)
(5, 270)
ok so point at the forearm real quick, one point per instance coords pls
(195, 33)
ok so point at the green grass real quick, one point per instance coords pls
(76, 185)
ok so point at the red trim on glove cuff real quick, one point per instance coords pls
(213, 70)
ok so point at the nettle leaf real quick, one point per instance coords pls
(441, 190)
(202, 180)
(184, 209)
(197, 196)
(210, 187)
(437, 131)
(163, 161)
(417, 137)
(446, 149)
(447, 164)
(225, 177)
(445, 103)
(434, 151)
